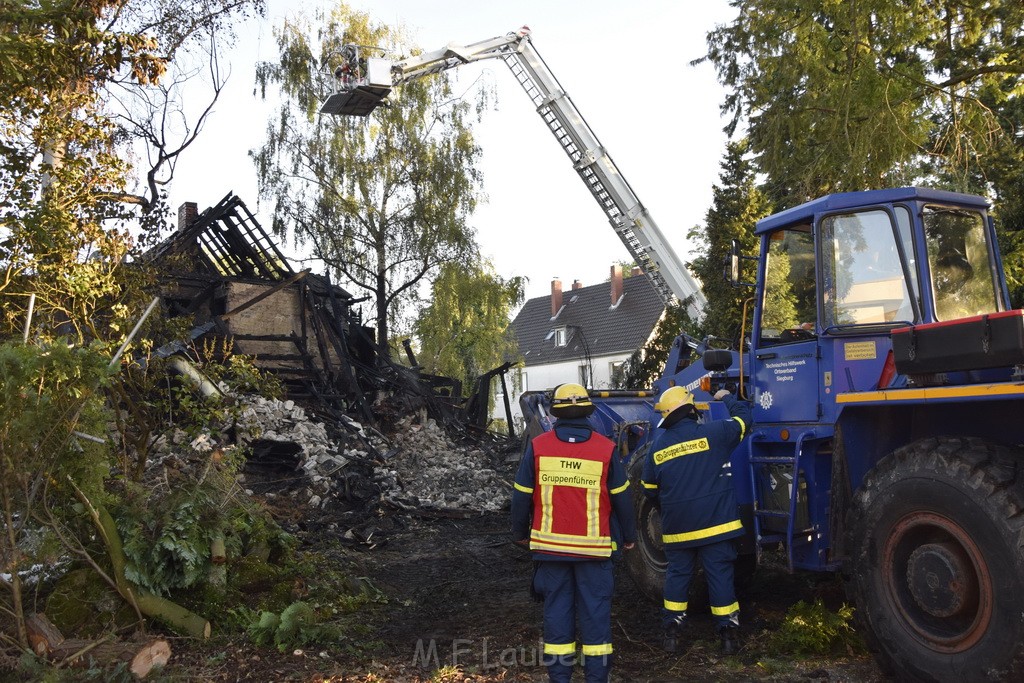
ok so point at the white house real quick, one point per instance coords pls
(582, 335)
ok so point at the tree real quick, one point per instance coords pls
(855, 95)
(64, 169)
(464, 331)
(383, 201)
(737, 205)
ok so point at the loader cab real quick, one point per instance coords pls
(837, 275)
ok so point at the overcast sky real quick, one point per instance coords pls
(626, 66)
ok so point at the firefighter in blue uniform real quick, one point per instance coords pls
(572, 507)
(688, 471)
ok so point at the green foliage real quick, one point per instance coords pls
(464, 331)
(47, 395)
(738, 205)
(382, 200)
(297, 626)
(849, 96)
(816, 630)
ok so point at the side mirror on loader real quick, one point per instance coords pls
(732, 266)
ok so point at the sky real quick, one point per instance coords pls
(626, 66)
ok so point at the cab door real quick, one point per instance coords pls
(786, 353)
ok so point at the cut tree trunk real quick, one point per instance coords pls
(43, 636)
(141, 658)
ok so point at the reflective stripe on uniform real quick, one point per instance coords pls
(743, 426)
(619, 489)
(648, 485)
(560, 648)
(569, 538)
(702, 533)
(596, 650)
(673, 606)
(572, 549)
(545, 505)
(725, 611)
(524, 489)
(593, 512)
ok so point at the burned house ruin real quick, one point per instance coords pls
(224, 271)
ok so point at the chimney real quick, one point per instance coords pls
(188, 212)
(636, 271)
(616, 284)
(556, 297)
(576, 284)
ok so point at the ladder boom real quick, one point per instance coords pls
(628, 217)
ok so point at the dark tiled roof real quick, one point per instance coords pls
(587, 314)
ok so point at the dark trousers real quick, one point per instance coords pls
(717, 560)
(576, 589)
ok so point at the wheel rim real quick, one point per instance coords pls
(650, 536)
(938, 582)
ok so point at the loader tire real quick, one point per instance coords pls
(936, 535)
(646, 563)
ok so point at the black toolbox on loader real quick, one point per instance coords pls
(994, 340)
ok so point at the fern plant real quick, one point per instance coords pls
(297, 626)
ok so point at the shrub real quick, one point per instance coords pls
(815, 630)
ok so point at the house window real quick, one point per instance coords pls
(519, 383)
(586, 375)
(561, 336)
(616, 373)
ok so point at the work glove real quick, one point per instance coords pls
(721, 393)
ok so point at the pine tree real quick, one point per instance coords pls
(736, 207)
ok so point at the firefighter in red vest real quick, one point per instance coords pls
(572, 507)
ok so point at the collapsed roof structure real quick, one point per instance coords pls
(222, 269)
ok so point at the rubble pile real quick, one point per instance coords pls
(428, 470)
(345, 470)
(264, 422)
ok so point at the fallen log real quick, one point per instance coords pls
(43, 636)
(141, 658)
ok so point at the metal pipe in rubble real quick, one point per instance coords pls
(135, 330)
(196, 377)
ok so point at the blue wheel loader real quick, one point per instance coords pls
(885, 368)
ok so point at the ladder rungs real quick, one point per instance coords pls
(773, 460)
(771, 513)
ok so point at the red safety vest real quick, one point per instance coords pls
(571, 506)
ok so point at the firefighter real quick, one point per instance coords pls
(572, 508)
(688, 472)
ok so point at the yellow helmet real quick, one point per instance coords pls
(672, 398)
(570, 400)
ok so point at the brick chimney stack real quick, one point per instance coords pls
(576, 284)
(636, 271)
(616, 284)
(188, 212)
(556, 297)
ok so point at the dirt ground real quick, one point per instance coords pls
(459, 610)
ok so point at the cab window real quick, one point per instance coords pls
(958, 255)
(864, 279)
(789, 310)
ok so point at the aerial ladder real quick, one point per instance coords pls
(361, 85)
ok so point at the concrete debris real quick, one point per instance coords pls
(430, 471)
(320, 458)
(350, 474)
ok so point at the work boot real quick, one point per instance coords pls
(730, 640)
(672, 635)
